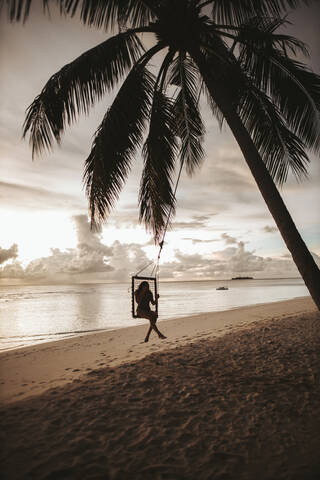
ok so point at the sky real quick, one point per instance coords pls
(222, 226)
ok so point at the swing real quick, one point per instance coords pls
(135, 282)
(152, 280)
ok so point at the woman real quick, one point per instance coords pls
(144, 297)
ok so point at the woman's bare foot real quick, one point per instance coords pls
(162, 336)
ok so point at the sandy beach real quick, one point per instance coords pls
(228, 395)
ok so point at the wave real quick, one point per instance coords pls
(54, 334)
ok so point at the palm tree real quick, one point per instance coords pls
(230, 51)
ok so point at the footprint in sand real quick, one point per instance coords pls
(76, 370)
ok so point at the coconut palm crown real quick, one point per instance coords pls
(232, 52)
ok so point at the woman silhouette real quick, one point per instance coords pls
(144, 297)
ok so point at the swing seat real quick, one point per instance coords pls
(135, 282)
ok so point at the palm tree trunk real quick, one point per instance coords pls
(292, 238)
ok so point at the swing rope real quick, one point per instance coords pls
(155, 269)
(156, 264)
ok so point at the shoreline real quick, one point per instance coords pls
(75, 335)
(31, 370)
(222, 401)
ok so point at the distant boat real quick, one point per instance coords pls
(242, 278)
(222, 288)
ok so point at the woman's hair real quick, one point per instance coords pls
(143, 284)
(137, 293)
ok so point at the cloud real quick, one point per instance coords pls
(90, 256)
(12, 270)
(239, 260)
(91, 260)
(94, 261)
(203, 218)
(228, 239)
(229, 262)
(88, 240)
(188, 225)
(7, 254)
(269, 229)
(27, 197)
(198, 240)
(127, 260)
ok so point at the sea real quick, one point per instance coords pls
(36, 314)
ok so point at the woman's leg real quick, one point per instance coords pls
(152, 317)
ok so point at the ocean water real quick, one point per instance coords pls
(36, 314)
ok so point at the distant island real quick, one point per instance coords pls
(242, 278)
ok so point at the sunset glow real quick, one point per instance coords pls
(221, 218)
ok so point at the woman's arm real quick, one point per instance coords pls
(152, 300)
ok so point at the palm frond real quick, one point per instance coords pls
(116, 141)
(77, 86)
(259, 33)
(189, 125)
(97, 13)
(156, 198)
(17, 10)
(280, 148)
(294, 89)
(236, 12)
(110, 13)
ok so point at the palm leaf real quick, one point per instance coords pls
(189, 125)
(108, 13)
(17, 10)
(116, 142)
(260, 33)
(235, 12)
(97, 13)
(280, 149)
(156, 197)
(297, 92)
(294, 89)
(77, 86)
